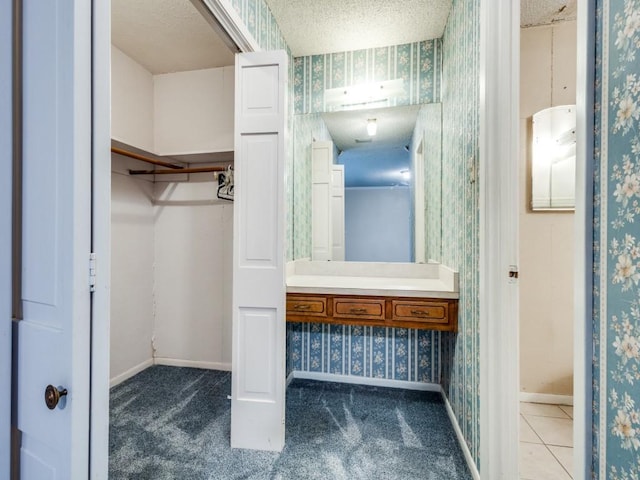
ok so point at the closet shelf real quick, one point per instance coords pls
(137, 156)
(173, 168)
(178, 172)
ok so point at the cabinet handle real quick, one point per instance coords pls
(358, 310)
(301, 307)
(419, 312)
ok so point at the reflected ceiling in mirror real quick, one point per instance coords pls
(394, 127)
(380, 160)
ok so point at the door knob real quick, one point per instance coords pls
(52, 396)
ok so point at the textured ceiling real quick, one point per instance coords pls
(171, 35)
(315, 27)
(166, 36)
(543, 12)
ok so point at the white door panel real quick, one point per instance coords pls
(258, 379)
(337, 213)
(321, 163)
(53, 336)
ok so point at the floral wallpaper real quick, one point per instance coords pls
(616, 369)
(418, 64)
(429, 129)
(460, 213)
(306, 130)
(372, 352)
(261, 23)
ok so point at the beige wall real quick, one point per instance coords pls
(548, 78)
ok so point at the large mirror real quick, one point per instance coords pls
(392, 184)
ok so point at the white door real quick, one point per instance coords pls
(321, 162)
(258, 368)
(54, 333)
(337, 212)
(419, 239)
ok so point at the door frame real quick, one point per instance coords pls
(224, 19)
(6, 192)
(583, 259)
(499, 196)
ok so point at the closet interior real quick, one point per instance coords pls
(172, 100)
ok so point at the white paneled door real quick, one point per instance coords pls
(54, 333)
(321, 163)
(337, 213)
(258, 378)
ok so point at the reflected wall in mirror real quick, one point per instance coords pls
(392, 196)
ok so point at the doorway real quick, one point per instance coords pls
(546, 245)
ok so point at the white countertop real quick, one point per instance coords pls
(301, 280)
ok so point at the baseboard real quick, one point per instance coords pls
(175, 362)
(549, 398)
(463, 444)
(374, 382)
(118, 379)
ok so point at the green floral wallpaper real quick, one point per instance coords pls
(429, 129)
(418, 64)
(616, 285)
(460, 213)
(306, 130)
(261, 24)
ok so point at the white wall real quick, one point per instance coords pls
(132, 251)
(194, 111)
(548, 78)
(193, 256)
(171, 114)
(378, 224)
(132, 110)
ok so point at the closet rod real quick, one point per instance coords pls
(178, 172)
(137, 156)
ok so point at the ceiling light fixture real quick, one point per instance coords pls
(372, 127)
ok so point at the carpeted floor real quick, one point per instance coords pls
(173, 423)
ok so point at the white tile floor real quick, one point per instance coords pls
(546, 442)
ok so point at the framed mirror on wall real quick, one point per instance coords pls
(391, 160)
(553, 159)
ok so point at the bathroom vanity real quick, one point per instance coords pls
(400, 295)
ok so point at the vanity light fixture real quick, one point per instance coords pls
(372, 127)
(367, 95)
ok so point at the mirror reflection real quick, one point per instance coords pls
(367, 185)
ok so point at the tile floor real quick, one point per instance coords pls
(546, 442)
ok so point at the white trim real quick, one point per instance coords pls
(289, 379)
(499, 132)
(231, 23)
(6, 227)
(101, 238)
(373, 382)
(118, 379)
(461, 441)
(176, 362)
(583, 259)
(604, 241)
(169, 362)
(550, 398)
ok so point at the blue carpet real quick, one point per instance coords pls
(174, 423)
